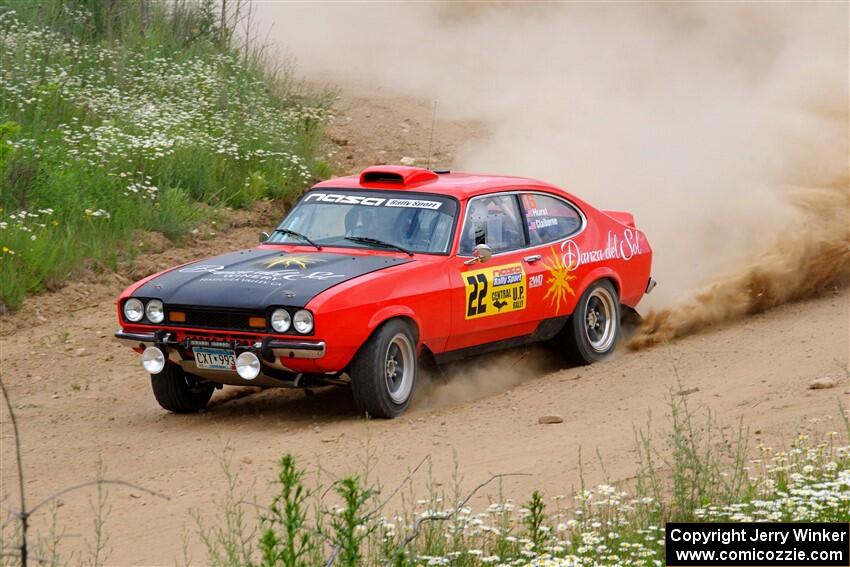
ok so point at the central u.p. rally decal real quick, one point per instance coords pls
(496, 290)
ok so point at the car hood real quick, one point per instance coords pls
(258, 278)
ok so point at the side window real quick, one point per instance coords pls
(548, 219)
(494, 221)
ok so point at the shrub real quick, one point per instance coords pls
(286, 540)
(120, 115)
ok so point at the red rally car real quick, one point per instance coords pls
(368, 275)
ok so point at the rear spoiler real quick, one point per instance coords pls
(622, 217)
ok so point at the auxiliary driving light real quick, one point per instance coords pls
(248, 365)
(153, 359)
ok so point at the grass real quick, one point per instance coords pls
(117, 115)
(690, 471)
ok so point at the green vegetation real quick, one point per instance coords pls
(692, 472)
(122, 115)
(348, 522)
(285, 541)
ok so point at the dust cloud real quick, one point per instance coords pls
(483, 376)
(812, 254)
(722, 127)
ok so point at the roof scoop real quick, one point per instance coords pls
(395, 176)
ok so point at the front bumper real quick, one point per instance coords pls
(277, 356)
(268, 349)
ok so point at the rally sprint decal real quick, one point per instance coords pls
(345, 199)
(496, 290)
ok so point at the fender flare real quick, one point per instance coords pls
(600, 273)
(384, 314)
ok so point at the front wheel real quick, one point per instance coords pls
(383, 373)
(594, 328)
(180, 392)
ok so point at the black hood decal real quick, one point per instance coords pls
(258, 278)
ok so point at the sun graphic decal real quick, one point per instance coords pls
(559, 280)
(297, 260)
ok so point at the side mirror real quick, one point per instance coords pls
(480, 254)
(264, 236)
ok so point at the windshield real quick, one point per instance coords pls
(418, 222)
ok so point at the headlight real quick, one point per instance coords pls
(154, 311)
(281, 320)
(303, 321)
(134, 310)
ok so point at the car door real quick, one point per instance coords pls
(489, 298)
(554, 227)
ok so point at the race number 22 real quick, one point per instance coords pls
(477, 291)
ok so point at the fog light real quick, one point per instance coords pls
(248, 365)
(153, 359)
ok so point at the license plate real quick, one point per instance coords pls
(215, 358)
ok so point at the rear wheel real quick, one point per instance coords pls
(594, 328)
(383, 373)
(180, 392)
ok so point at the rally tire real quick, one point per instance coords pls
(179, 392)
(594, 328)
(383, 373)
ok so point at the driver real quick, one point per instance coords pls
(476, 231)
(359, 220)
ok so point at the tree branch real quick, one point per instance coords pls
(448, 515)
(59, 493)
(404, 481)
(24, 514)
(332, 557)
(17, 555)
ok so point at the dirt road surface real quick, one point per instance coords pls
(80, 397)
